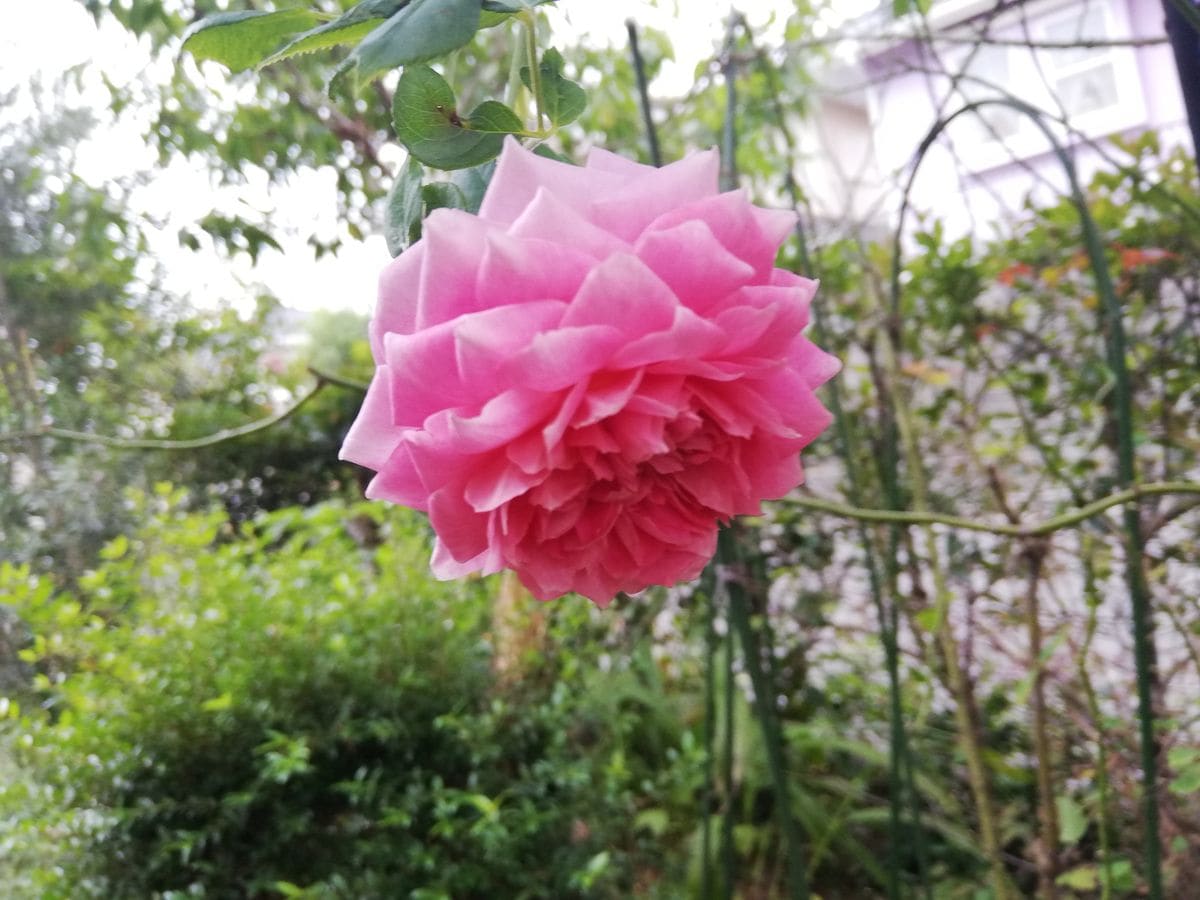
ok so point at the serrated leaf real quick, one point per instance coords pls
(421, 30)
(562, 100)
(349, 28)
(428, 124)
(403, 226)
(240, 40)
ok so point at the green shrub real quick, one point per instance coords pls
(291, 711)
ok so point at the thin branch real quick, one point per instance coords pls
(350, 384)
(942, 37)
(210, 440)
(1058, 523)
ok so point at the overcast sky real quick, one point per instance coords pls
(48, 36)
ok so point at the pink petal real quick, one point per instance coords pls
(773, 476)
(485, 341)
(563, 357)
(373, 435)
(623, 292)
(607, 394)
(396, 309)
(503, 418)
(776, 225)
(520, 174)
(548, 218)
(424, 375)
(693, 263)
(461, 530)
(814, 364)
(733, 222)
(627, 210)
(602, 160)
(658, 395)
(517, 271)
(640, 436)
(446, 568)
(398, 481)
(453, 240)
(688, 336)
(494, 481)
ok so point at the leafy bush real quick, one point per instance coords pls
(298, 709)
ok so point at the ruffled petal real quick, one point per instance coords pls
(520, 175)
(627, 210)
(622, 292)
(373, 435)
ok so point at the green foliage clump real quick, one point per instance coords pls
(298, 709)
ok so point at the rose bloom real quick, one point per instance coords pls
(581, 382)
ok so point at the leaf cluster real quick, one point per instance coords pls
(298, 707)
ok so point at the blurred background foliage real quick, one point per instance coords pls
(224, 676)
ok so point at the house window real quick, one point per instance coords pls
(1083, 79)
(1097, 89)
(988, 75)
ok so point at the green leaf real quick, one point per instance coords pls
(900, 7)
(546, 152)
(495, 118)
(420, 31)
(1187, 781)
(349, 28)
(562, 100)
(512, 6)
(442, 195)
(655, 821)
(240, 40)
(116, 548)
(428, 124)
(217, 704)
(929, 618)
(1072, 821)
(1182, 757)
(403, 225)
(473, 183)
(1082, 878)
(492, 19)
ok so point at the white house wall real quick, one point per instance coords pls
(970, 180)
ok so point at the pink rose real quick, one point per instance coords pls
(582, 381)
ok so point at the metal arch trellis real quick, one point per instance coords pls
(897, 515)
(1115, 347)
